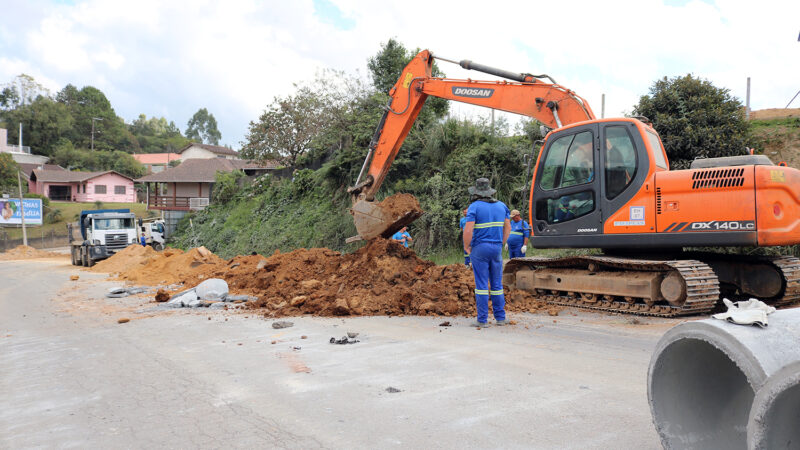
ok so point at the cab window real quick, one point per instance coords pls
(621, 160)
(565, 208)
(569, 162)
(658, 150)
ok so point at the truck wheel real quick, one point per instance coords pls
(90, 261)
(72, 256)
(84, 258)
(158, 246)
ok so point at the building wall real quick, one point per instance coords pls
(194, 152)
(110, 180)
(188, 189)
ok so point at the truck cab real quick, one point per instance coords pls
(103, 233)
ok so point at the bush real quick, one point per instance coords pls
(53, 216)
(45, 200)
(226, 186)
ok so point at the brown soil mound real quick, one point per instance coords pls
(143, 265)
(27, 252)
(131, 256)
(381, 278)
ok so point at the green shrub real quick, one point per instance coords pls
(45, 200)
(53, 216)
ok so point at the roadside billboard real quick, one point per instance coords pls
(11, 213)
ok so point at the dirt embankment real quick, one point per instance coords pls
(381, 278)
(27, 252)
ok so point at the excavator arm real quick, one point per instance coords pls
(549, 103)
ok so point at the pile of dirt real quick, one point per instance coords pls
(381, 278)
(131, 256)
(143, 265)
(27, 252)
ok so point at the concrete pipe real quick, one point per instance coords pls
(775, 415)
(704, 376)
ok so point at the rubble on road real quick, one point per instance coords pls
(28, 252)
(380, 278)
(282, 324)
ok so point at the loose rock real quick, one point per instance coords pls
(282, 324)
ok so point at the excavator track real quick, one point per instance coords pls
(789, 267)
(702, 285)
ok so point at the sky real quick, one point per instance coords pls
(171, 58)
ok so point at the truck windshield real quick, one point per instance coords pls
(113, 224)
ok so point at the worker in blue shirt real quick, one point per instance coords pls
(485, 233)
(402, 236)
(518, 239)
(461, 225)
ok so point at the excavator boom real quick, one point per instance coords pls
(550, 103)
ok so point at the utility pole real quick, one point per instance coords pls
(21, 203)
(747, 106)
(93, 119)
(603, 106)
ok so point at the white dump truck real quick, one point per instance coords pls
(103, 233)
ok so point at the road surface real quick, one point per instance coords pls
(72, 377)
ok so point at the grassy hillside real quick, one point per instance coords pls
(779, 139)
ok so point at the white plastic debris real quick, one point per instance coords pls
(750, 312)
(212, 289)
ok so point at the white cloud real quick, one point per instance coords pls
(173, 57)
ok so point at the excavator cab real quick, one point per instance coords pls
(584, 174)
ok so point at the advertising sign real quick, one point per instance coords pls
(11, 213)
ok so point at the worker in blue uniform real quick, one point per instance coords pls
(461, 225)
(518, 239)
(403, 236)
(486, 231)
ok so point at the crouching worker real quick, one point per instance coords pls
(518, 239)
(461, 224)
(485, 233)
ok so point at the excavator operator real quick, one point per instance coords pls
(486, 231)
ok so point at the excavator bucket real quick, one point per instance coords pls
(373, 219)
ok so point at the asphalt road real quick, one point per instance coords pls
(72, 377)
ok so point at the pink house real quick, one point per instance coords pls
(63, 185)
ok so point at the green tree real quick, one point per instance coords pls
(66, 155)
(44, 123)
(387, 66)
(21, 91)
(695, 119)
(202, 127)
(286, 128)
(8, 173)
(156, 135)
(86, 106)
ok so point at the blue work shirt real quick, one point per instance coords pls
(399, 236)
(519, 231)
(489, 219)
(462, 223)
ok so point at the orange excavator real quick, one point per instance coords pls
(606, 184)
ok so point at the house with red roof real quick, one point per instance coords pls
(157, 162)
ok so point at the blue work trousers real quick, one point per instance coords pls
(515, 252)
(487, 266)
